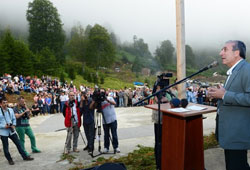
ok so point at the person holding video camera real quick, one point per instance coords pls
(109, 119)
(158, 129)
(87, 110)
(7, 130)
(166, 96)
(71, 112)
(22, 113)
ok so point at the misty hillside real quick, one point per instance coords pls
(43, 46)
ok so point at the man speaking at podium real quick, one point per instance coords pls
(233, 113)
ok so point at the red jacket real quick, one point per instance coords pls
(67, 120)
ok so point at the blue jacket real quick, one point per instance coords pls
(10, 118)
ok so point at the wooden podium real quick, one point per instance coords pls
(182, 138)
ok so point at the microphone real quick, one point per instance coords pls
(213, 64)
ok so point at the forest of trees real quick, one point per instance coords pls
(48, 49)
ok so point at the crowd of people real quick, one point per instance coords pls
(51, 94)
(199, 94)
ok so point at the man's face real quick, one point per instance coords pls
(228, 56)
(22, 102)
(71, 96)
(4, 104)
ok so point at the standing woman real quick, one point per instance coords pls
(41, 105)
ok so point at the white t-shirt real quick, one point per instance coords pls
(108, 111)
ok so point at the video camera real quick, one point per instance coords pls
(162, 81)
(99, 96)
(11, 129)
(26, 115)
(71, 103)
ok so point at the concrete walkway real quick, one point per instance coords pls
(134, 127)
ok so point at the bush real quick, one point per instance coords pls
(95, 78)
(101, 78)
(72, 74)
(146, 81)
(89, 78)
(62, 77)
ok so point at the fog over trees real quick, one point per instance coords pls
(45, 39)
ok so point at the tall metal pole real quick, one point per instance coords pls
(180, 40)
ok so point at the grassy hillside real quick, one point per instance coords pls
(109, 82)
(28, 97)
(121, 55)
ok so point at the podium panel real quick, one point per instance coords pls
(182, 138)
(182, 143)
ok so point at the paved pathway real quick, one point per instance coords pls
(134, 127)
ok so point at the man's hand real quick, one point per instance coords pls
(217, 93)
(164, 100)
(82, 97)
(111, 102)
(27, 111)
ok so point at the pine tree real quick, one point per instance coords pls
(6, 47)
(45, 27)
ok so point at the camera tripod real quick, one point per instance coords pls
(99, 117)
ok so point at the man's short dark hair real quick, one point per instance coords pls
(3, 99)
(83, 93)
(19, 98)
(239, 45)
(184, 103)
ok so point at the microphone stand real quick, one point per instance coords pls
(159, 96)
(158, 147)
(168, 87)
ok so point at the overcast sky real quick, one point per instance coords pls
(207, 22)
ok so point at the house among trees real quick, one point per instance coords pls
(145, 71)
